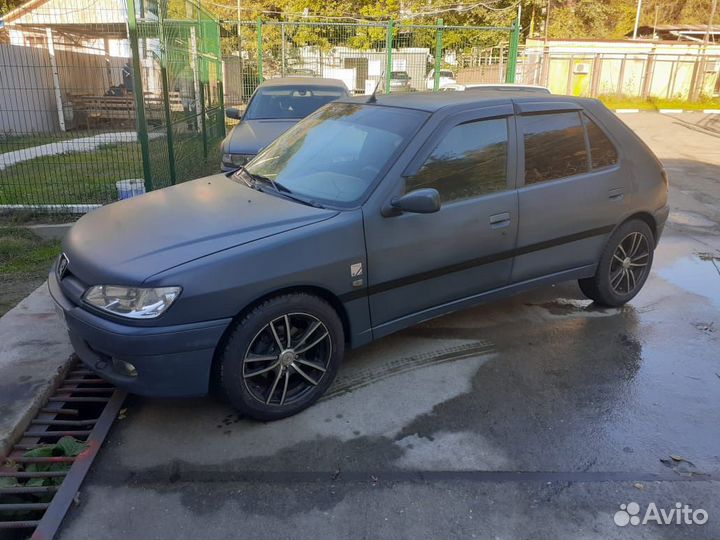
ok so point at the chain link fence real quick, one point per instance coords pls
(100, 100)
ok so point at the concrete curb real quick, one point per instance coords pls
(667, 111)
(35, 353)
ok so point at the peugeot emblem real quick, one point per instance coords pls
(62, 266)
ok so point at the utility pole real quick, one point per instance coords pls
(637, 19)
(547, 21)
(713, 8)
(655, 34)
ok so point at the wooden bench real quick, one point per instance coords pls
(121, 109)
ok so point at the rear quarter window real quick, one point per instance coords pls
(602, 151)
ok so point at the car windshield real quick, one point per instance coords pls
(292, 101)
(448, 74)
(334, 156)
(399, 75)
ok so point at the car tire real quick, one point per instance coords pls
(623, 267)
(264, 375)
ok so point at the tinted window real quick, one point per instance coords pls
(296, 101)
(471, 160)
(602, 150)
(334, 155)
(554, 146)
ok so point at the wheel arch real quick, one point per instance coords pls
(647, 217)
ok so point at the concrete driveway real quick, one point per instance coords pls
(536, 416)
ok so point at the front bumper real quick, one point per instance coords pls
(170, 361)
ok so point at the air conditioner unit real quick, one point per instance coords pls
(581, 69)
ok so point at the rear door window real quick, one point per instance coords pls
(554, 146)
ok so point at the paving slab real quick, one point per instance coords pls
(34, 354)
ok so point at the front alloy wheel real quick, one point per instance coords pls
(281, 356)
(287, 359)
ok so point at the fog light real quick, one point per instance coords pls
(124, 368)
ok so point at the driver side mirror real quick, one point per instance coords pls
(234, 113)
(419, 201)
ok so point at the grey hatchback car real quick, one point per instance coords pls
(365, 218)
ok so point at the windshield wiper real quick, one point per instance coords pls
(256, 179)
(287, 192)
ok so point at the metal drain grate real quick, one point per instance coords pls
(83, 407)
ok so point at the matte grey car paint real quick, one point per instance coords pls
(229, 246)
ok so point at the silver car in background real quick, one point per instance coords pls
(275, 106)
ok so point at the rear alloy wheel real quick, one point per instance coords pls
(624, 265)
(282, 356)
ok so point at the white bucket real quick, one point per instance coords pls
(130, 187)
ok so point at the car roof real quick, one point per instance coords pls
(508, 88)
(434, 101)
(303, 81)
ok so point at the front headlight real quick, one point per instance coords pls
(236, 160)
(132, 302)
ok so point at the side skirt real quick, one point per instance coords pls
(470, 301)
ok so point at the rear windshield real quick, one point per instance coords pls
(294, 101)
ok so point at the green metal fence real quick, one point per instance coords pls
(400, 57)
(95, 104)
(130, 95)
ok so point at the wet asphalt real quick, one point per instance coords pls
(535, 416)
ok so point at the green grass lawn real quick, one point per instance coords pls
(653, 104)
(25, 260)
(89, 177)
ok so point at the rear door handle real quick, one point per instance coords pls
(616, 194)
(500, 220)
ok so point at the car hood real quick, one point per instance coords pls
(128, 241)
(251, 136)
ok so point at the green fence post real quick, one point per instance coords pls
(221, 115)
(260, 50)
(513, 52)
(166, 97)
(389, 61)
(438, 54)
(139, 97)
(221, 88)
(203, 123)
(168, 123)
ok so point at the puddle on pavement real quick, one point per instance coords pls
(698, 273)
(571, 306)
(691, 219)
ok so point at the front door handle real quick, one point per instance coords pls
(498, 221)
(617, 194)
